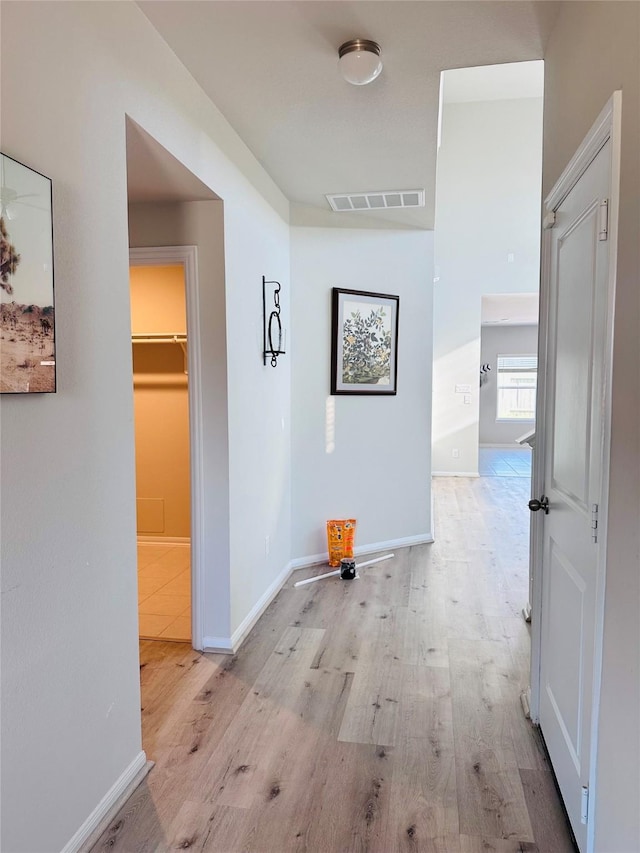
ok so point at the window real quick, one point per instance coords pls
(517, 376)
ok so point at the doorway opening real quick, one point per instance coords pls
(487, 255)
(163, 482)
(508, 383)
(487, 247)
(176, 239)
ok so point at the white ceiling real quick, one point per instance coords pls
(271, 68)
(510, 309)
(494, 82)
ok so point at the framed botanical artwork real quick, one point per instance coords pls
(364, 344)
(27, 313)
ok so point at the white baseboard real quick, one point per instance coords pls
(455, 474)
(525, 701)
(217, 645)
(230, 645)
(312, 560)
(359, 550)
(119, 792)
(164, 540)
(513, 446)
(433, 514)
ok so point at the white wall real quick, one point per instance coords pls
(259, 411)
(593, 50)
(495, 341)
(70, 683)
(487, 207)
(363, 457)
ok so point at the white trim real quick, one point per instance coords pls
(607, 126)
(119, 792)
(230, 645)
(615, 113)
(311, 560)
(455, 474)
(433, 515)
(537, 483)
(188, 257)
(513, 446)
(374, 547)
(511, 324)
(597, 136)
(164, 540)
(518, 355)
(243, 629)
(217, 645)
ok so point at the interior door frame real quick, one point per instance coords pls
(187, 257)
(606, 127)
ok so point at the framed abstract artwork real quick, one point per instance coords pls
(27, 312)
(364, 343)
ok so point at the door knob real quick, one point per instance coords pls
(543, 503)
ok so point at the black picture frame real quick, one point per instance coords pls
(364, 342)
(27, 299)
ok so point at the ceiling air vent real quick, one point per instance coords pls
(391, 199)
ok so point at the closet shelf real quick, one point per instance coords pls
(166, 338)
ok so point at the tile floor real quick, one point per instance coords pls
(164, 591)
(503, 462)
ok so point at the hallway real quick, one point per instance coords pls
(381, 714)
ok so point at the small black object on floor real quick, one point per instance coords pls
(347, 569)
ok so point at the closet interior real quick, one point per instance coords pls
(161, 408)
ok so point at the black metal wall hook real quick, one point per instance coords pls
(272, 335)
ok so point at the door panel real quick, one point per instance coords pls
(573, 430)
(566, 626)
(576, 271)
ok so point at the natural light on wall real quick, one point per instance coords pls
(454, 414)
(330, 424)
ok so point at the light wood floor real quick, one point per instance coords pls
(380, 714)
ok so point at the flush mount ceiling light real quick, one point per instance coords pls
(360, 61)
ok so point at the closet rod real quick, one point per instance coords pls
(169, 338)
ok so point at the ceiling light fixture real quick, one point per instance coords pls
(359, 61)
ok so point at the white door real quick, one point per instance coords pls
(576, 371)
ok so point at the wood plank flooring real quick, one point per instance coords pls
(381, 714)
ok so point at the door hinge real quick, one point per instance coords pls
(603, 220)
(584, 805)
(549, 220)
(594, 522)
